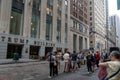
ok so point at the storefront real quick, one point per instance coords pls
(34, 52)
(26, 47)
(14, 48)
(48, 49)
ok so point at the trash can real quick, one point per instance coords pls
(16, 56)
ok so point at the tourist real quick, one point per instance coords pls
(56, 64)
(97, 58)
(51, 64)
(113, 66)
(89, 65)
(74, 61)
(93, 61)
(66, 58)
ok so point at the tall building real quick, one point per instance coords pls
(33, 27)
(115, 26)
(118, 4)
(79, 25)
(97, 25)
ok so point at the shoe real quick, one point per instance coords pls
(49, 77)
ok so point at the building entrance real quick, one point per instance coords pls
(48, 49)
(13, 48)
(34, 52)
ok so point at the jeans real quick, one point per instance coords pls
(52, 69)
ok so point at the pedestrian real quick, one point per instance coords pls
(79, 59)
(97, 58)
(66, 58)
(58, 57)
(93, 61)
(56, 64)
(102, 72)
(74, 61)
(51, 65)
(89, 65)
(84, 59)
(113, 66)
(69, 63)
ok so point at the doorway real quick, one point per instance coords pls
(48, 49)
(12, 48)
(34, 52)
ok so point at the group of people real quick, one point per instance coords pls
(54, 63)
(110, 70)
(92, 60)
(73, 61)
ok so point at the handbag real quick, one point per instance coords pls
(112, 75)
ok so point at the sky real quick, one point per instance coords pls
(113, 7)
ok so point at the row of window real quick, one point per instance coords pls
(80, 43)
(17, 15)
(79, 26)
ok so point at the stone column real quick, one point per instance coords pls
(43, 19)
(27, 18)
(63, 23)
(70, 34)
(77, 43)
(42, 51)
(54, 21)
(25, 52)
(83, 42)
(5, 13)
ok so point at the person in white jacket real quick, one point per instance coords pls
(66, 57)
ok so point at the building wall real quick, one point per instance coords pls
(79, 20)
(25, 39)
(97, 24)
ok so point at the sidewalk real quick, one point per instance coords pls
(11, 61)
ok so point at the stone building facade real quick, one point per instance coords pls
(33, 27)
(79, 28)
(97, 25)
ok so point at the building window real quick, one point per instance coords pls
(74, 24)
(16, 21)
(90, 13)
(90, 2)
(35, 22)
(66, 2)
(90, 23)
(86, 43)
(80, 43)
(66, 32)
(49, 20)
(59, 8)
(74, 42)
(59, 30)
(90, 8)
(90, 18)
(81, 27)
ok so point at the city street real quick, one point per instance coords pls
(40, 71)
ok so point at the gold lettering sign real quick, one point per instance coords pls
(40, 43)
(9, 39)
(51, 44)
(16, 40)
(46, 44)
(43, 44)
(21, 40)
(3, 38)
(27, 41)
